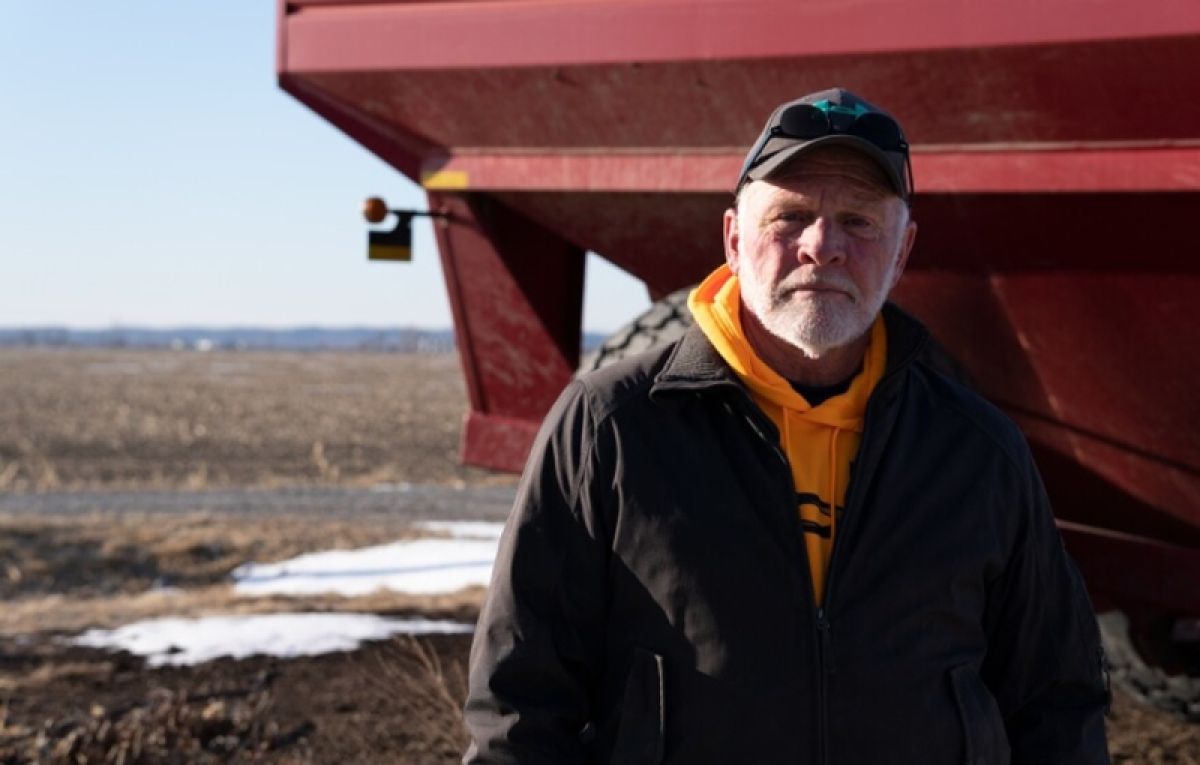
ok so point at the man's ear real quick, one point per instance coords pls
(910, 236)
(731, 239)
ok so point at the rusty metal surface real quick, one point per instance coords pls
(415, 35)
(1136, 571)
(1023, 169)
(1008, 99)
(1078, 314)
(1057, 164)
(516, 292)
(496, 442)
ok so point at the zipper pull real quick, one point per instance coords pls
(823, 628)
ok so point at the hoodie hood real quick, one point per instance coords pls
(820, 442)
(716, 305)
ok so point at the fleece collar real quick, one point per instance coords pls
(695, 365)
(717, 307)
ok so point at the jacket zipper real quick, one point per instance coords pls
(853, 491)
(823, 685)
(823, 644)
(824, 629)
(821, 619)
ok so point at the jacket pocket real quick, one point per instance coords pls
(642, 726)
(983, 728)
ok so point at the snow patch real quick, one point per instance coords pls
(177, 641)
(463, 558)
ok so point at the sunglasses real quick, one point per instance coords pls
(806, 122)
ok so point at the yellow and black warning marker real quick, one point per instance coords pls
(394, 244)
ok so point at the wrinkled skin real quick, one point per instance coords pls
(817, 251)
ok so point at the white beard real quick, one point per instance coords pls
(815, 322)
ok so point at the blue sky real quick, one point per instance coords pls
(152, 173)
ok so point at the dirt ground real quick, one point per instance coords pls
(120, 499)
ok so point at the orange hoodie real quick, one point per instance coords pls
(820, 442)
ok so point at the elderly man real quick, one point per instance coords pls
(788, 537)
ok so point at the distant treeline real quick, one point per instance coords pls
(397, 339)
(236, 338)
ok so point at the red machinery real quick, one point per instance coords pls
(1057, 165)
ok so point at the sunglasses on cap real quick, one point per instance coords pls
(803, 123)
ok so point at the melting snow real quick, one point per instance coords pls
(419, 566)
(459, 556)
(191, 641)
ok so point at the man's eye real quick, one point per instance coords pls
(859, 224)
(793, 216)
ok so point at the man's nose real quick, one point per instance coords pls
(822, 242)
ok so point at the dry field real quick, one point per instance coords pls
(122, 478)
(74, 418)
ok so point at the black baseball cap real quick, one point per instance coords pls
(834, 117)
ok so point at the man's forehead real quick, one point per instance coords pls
(799, 188)
(860, 175)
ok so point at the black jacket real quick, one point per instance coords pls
(651, 600)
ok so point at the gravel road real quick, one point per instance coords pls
(416, 501)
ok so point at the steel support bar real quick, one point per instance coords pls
(1124, 568)
(516, 292)
(1008, 170)
(496, 442)
(355, 36)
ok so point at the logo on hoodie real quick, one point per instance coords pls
(813, 527)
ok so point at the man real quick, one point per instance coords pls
(788, 537)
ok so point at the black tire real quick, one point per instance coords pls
(1177, 694)
(662, 323)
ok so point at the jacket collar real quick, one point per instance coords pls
(695, 365)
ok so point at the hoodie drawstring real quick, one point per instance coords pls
(833, 487)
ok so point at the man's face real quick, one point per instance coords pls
(818, 250)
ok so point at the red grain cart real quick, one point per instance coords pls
(1057, 162)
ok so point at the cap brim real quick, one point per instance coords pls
(893, 167)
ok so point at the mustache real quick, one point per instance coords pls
(786, 288)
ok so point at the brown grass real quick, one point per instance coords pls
(410, 679)
(82, 418)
